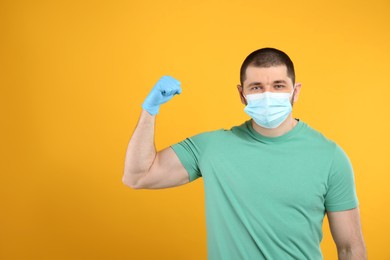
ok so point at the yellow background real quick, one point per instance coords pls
(73, 76)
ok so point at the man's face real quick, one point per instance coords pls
(271, 79)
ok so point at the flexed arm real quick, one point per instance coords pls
(144, 166)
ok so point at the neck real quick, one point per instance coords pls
(285, 127)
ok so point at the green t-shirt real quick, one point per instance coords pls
(266, 197)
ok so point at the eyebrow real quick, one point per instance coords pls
(259, 83)
(280, 81)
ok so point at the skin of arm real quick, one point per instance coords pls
(347, 234)
(145, 168)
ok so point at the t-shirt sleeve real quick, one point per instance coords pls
(189, 152)
(341, 194)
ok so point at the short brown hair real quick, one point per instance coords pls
(267, 57)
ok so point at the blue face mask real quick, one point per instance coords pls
(269, 109)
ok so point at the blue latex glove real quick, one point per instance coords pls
(165, 88)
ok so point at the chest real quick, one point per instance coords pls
(279, 174)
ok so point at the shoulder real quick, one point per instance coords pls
(320, 140)
(317, 137)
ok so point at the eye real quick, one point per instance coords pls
(279, 86)
(255, 88)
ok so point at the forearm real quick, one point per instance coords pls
(141, 150)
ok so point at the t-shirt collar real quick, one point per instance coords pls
(281, 138)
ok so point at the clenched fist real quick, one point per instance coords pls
(161, 93)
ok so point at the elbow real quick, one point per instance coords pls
(130, 183)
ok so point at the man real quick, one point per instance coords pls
(268, 182)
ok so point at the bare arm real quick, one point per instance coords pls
(145, 168)
(347, 234)
(141, 150)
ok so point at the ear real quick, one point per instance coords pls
(297, 90)
(240, 92)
